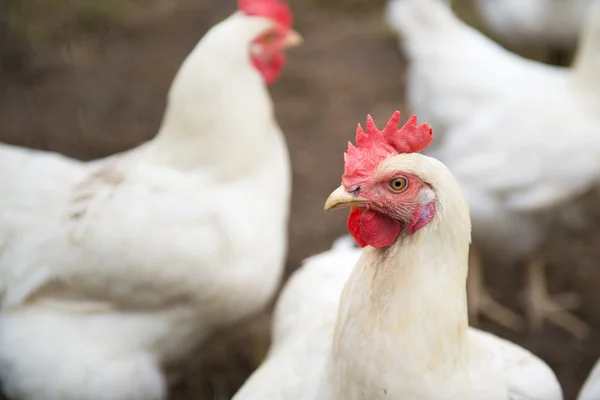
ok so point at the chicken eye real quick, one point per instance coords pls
(269, 37)
(398, 184)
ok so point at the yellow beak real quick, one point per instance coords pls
(292, 39)
(341, 198)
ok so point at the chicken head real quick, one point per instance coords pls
(385, 200)
(267, 50)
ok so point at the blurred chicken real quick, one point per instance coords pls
(550, 25)
(112, 269)
(400, 330)
(303, 322)
(591, 387)
(454, 70)
(526, 144)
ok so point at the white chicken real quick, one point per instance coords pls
(550, 25)
(111, 269)
(454, 70)
(398, 329)
(303, 324)
(521, 139)
(591, 388)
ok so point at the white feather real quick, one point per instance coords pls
(112, 268)
(454, 70)
(535, 22)
(394, 323)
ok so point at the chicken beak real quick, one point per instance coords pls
(341, 198)
(292, 39)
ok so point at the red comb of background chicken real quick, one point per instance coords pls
(375, 145)
(273, 9)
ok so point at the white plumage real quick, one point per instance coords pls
(454, 70)
(113, 268)
(398, 328)
(303, 325)
(535, 23)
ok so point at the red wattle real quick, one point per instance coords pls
(270, 70)
(379, 230)
(369, 227)
(354, 226)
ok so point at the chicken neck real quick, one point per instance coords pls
(403, 313)
(219, 115)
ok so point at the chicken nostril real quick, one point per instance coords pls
(354, 189)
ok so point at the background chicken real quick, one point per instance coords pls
(454, 70)
(550, 27)
(517, 157)
(115, 268)
(400, 329)
(303, 324)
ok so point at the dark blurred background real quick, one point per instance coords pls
(88, 78)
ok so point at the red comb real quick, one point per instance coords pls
(375, 145)
(276, 10)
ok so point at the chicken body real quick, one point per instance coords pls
(454, 70)
(523, 147)
(303, 324)
(552, 25)
(516, 162)
(394, 325)
(114, 268)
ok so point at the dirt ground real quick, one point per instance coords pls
(89, 95)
